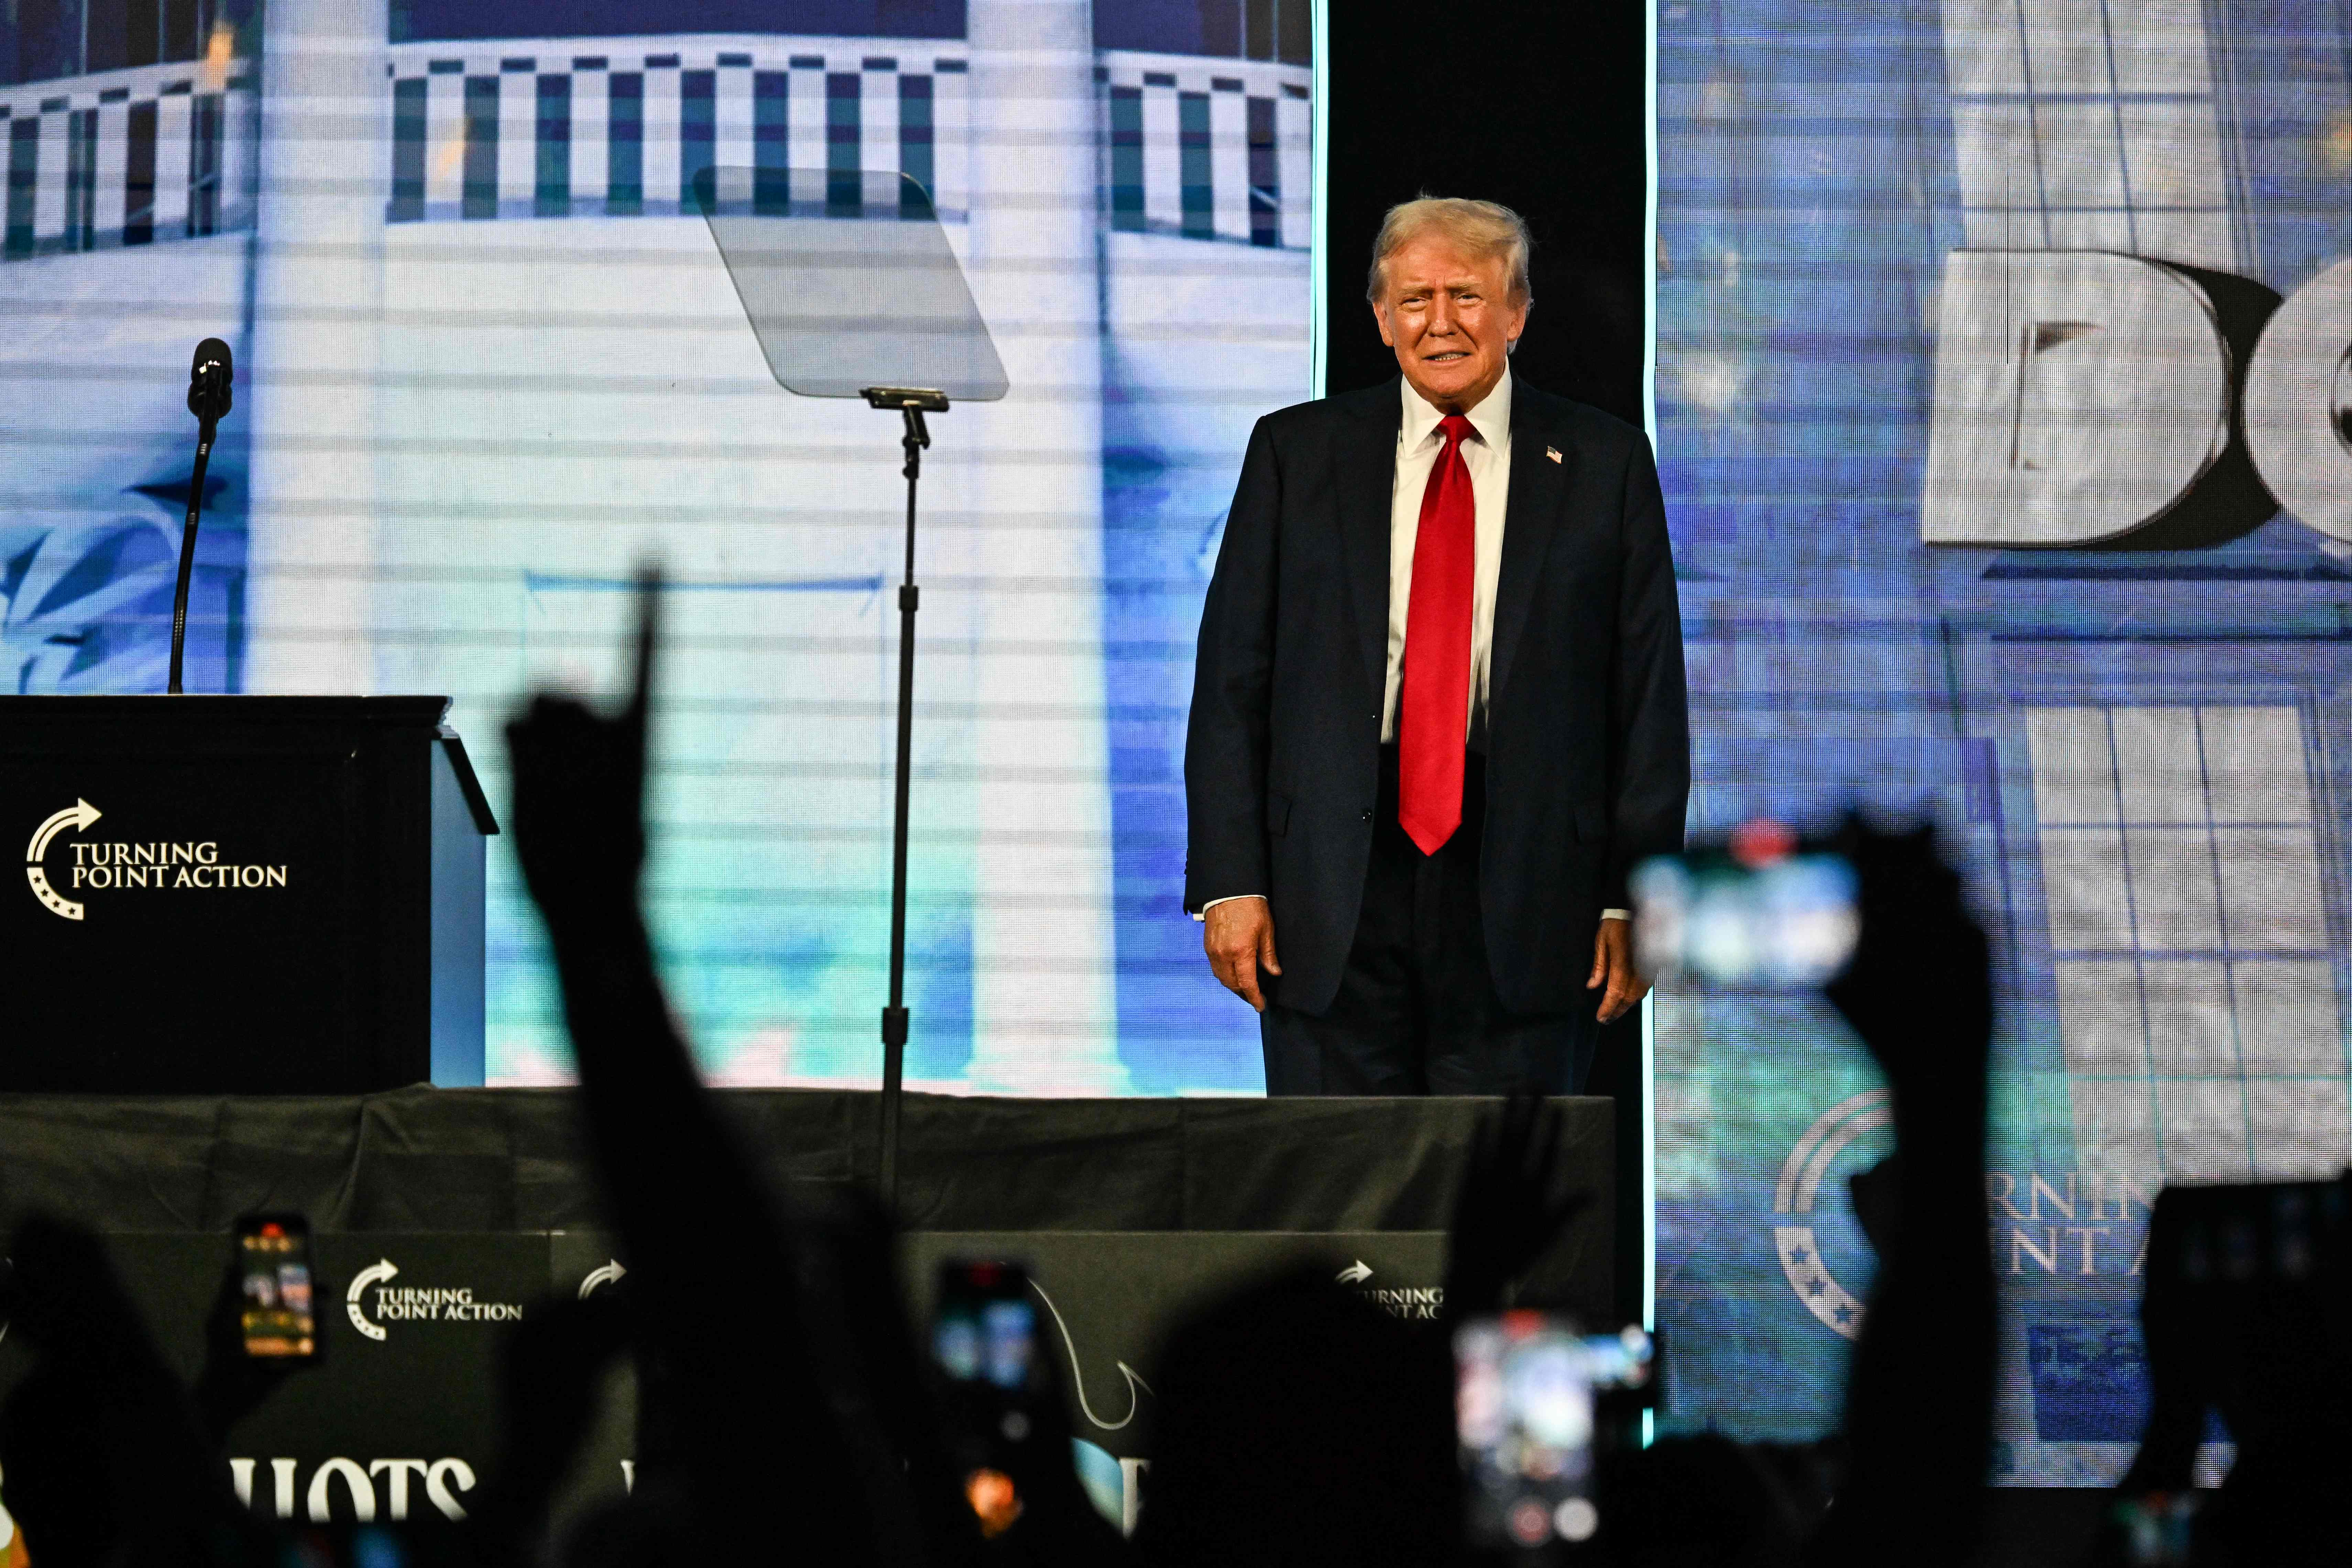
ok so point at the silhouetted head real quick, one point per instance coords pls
(1300, 1424)
(1706, 1501)
(57, 1474)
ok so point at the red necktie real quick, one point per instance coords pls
(1433, 708)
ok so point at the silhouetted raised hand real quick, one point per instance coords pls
(580, 788)
(1919, 1400)
(550, 1372)
(1918, 990)
(717, 1272)
(231, 1385)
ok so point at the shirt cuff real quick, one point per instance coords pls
(1202, 912)
(1616, 914)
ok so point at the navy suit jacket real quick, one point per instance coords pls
(1587, 736)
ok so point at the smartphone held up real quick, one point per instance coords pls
(277, 1314)
(985, 1344)
(1535, 1403)
(1761, 908)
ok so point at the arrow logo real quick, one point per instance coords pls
(373, 1274)
(79, 816)
(604, 1276)
(1356, 1273)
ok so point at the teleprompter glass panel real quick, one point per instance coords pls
(843, 299)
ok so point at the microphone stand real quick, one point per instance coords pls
(210, 395)
(206, 425)
(911, 402)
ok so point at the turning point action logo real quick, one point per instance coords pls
(189, 866)
(1792, 1207)
(415, 1303)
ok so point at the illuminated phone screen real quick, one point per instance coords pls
(984, 1329)
(984, 1339)
(1525, 1417)
(278, 1316)
(1711, 917)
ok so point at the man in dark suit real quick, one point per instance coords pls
(1438, 710)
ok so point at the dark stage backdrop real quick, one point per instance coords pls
(1544, 115)
(1553, 123)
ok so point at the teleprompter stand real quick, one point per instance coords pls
(912, 404)
(853, 290)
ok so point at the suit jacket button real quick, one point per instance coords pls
(1368, 816)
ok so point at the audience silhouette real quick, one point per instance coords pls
(786, 1415)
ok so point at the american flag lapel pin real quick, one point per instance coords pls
(1553, 453)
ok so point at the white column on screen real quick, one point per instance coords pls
(1293, 142)
(1163, 153)
(113, 163)
(1044, 996)
(590, 153)
(49, 173)
(662, 136)
(878, 120)
(952, 135)
(731, 146)
(804, 111)
(239, 155)
(518, 141)
(1229, 162)
(318, 294)
(173, 122)
(445, 142)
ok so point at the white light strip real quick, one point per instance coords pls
(1650, 423)
(1649, 226)
(1318, 251)
(1649, 1190)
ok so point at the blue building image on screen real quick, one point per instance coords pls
(493, 359)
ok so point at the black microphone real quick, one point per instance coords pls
(208, 399)
(208, 381)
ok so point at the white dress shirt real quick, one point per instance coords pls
(1487, 453)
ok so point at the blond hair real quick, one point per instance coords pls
(1485, 229)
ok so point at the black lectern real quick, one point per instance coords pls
(240, 895)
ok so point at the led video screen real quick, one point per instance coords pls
(489, 359)
(2000, 419)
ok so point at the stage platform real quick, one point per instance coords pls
(1125, 1211)
(510, 1159)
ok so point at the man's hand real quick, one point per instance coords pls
(1238, 937)
(230, 1385)
(1613, 964)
